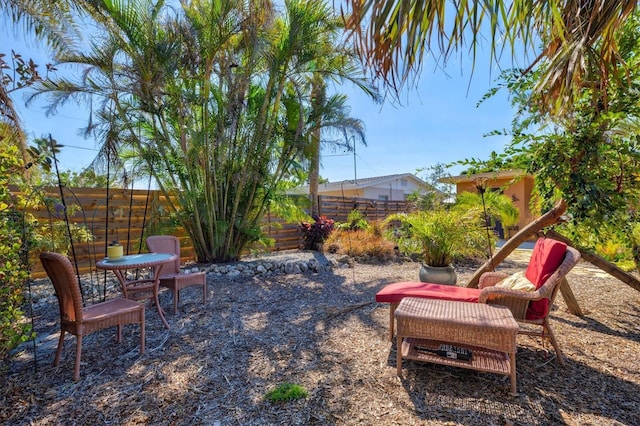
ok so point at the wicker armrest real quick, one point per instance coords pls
(489, 279)
(516, 300)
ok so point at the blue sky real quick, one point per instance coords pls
(437, 122)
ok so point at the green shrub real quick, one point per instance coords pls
(13, 274)
(286, 392)
(13, 270)
(612, 251)
(53, 235)
(616, 244)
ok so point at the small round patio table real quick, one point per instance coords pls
(140, 289)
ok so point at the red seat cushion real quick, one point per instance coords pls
(547, 255)
(394, 293)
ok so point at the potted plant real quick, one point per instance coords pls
(439, 237)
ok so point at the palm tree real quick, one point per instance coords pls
(214, 99)
(332, 119)
(496, 206)
(578, 38)
(332, 61)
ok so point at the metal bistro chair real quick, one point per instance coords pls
(171, 277)
(79, 320)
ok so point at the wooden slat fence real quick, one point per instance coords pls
(120, 215)
(285, 235)
(338, 208)
(130, 215)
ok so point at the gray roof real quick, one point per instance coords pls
(360, 183)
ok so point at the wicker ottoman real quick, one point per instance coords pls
(489, 331)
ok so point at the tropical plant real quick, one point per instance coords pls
(587, 158)
(215, 100)
(50, 20)
(495, 205)
(579, 45)
(315, 234)
(332, 115)
(356, 220)
(439, 236)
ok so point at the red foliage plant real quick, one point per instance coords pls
(314, 234)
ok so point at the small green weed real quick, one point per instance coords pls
(286, 392)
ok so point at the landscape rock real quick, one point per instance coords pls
(233, 273)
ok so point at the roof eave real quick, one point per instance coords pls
(484, 176)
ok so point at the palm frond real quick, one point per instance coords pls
(50, 20)
(579, 44)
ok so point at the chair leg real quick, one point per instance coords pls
(56, 360)
(392, 319)
(119, 334)
(547, 328)
(142, 332)
(399, 356)
(204, 292)
(176, 297)
(76, 370)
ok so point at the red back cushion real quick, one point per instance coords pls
(547, 255)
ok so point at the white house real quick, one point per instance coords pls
(388, 188)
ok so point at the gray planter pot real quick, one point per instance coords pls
(438, 274)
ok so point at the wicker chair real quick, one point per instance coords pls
(520, 302)
(171, 277)
(79, 320)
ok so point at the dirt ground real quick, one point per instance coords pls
(325, 332)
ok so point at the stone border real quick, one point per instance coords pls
(291, 264)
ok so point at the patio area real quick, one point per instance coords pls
(325, 332)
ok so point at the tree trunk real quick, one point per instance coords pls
(314, 175)
(317, 99)
(596, 260)
(549, 218)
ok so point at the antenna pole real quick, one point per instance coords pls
(355, 175)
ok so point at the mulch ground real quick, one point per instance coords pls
(325, 332)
